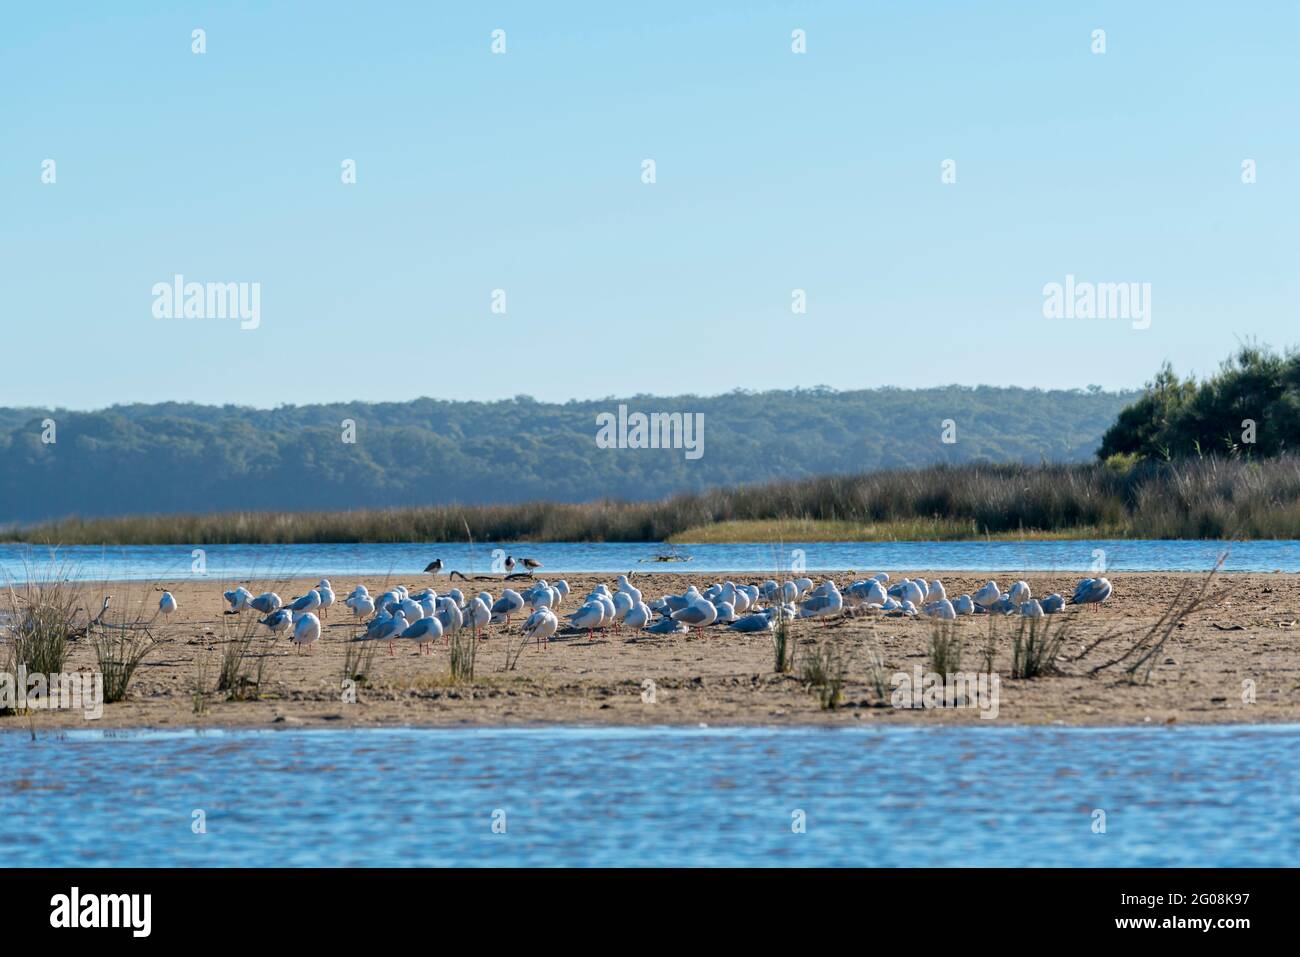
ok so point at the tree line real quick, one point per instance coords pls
(179, 457)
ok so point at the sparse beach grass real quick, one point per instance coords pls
(42, 615)
(946, 647)
(822, 672)
(1132, 659)
(463, 656)
(119, 652)
(1036, 645)
(245, 659)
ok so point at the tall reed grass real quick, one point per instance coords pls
(1197, 498)
(41, 615)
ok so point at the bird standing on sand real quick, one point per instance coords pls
(541, 625)
(237, 599)
(625, 585)
(477, 614)
(362, 606)
(422, 632)
(167, 604)
(277, 621)
(510, 564)
(824, 604)
(326, 596)
(434, 566)
(700, 613)
(450, 615)
(510, 603)
(530, 564)
(1091, 591)
(412, 609)
(391, 629)
(305, 604)
(306, 630)
(589, 617)
(623, 604)
(266, 602)
(638, 617)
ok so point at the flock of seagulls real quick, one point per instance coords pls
(423, 617)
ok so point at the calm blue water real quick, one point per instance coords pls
(1214, 796)
(237, 562)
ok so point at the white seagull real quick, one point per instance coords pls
(277, 621)
(238, 599)
(987, 595)
(541, 625)
(326, 594)
(422, 632)
(510, 603)
(305, 604)
(362, 606)
(1091, 591)
(590, 617)
(477, 615)
(306, 630)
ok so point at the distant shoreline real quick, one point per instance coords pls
(1208, 498)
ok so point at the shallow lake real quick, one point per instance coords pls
(237, 562)
(1215, 796)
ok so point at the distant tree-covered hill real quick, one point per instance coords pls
(172, 457)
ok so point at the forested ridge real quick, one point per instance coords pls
(177, 457)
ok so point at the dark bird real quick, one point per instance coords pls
(530, 563)
(510, 564)
(434, 566)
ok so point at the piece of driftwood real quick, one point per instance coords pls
(99, 623)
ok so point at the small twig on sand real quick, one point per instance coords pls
(1141, 655)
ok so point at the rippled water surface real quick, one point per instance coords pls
(655, 796)
(171, 562)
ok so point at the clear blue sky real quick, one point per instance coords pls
(522, 172)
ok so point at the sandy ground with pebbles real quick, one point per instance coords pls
(1248, 632)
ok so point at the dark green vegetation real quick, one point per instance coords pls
(1175, 463)
(174, 458)
(1197, 498)
(1180, 418)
